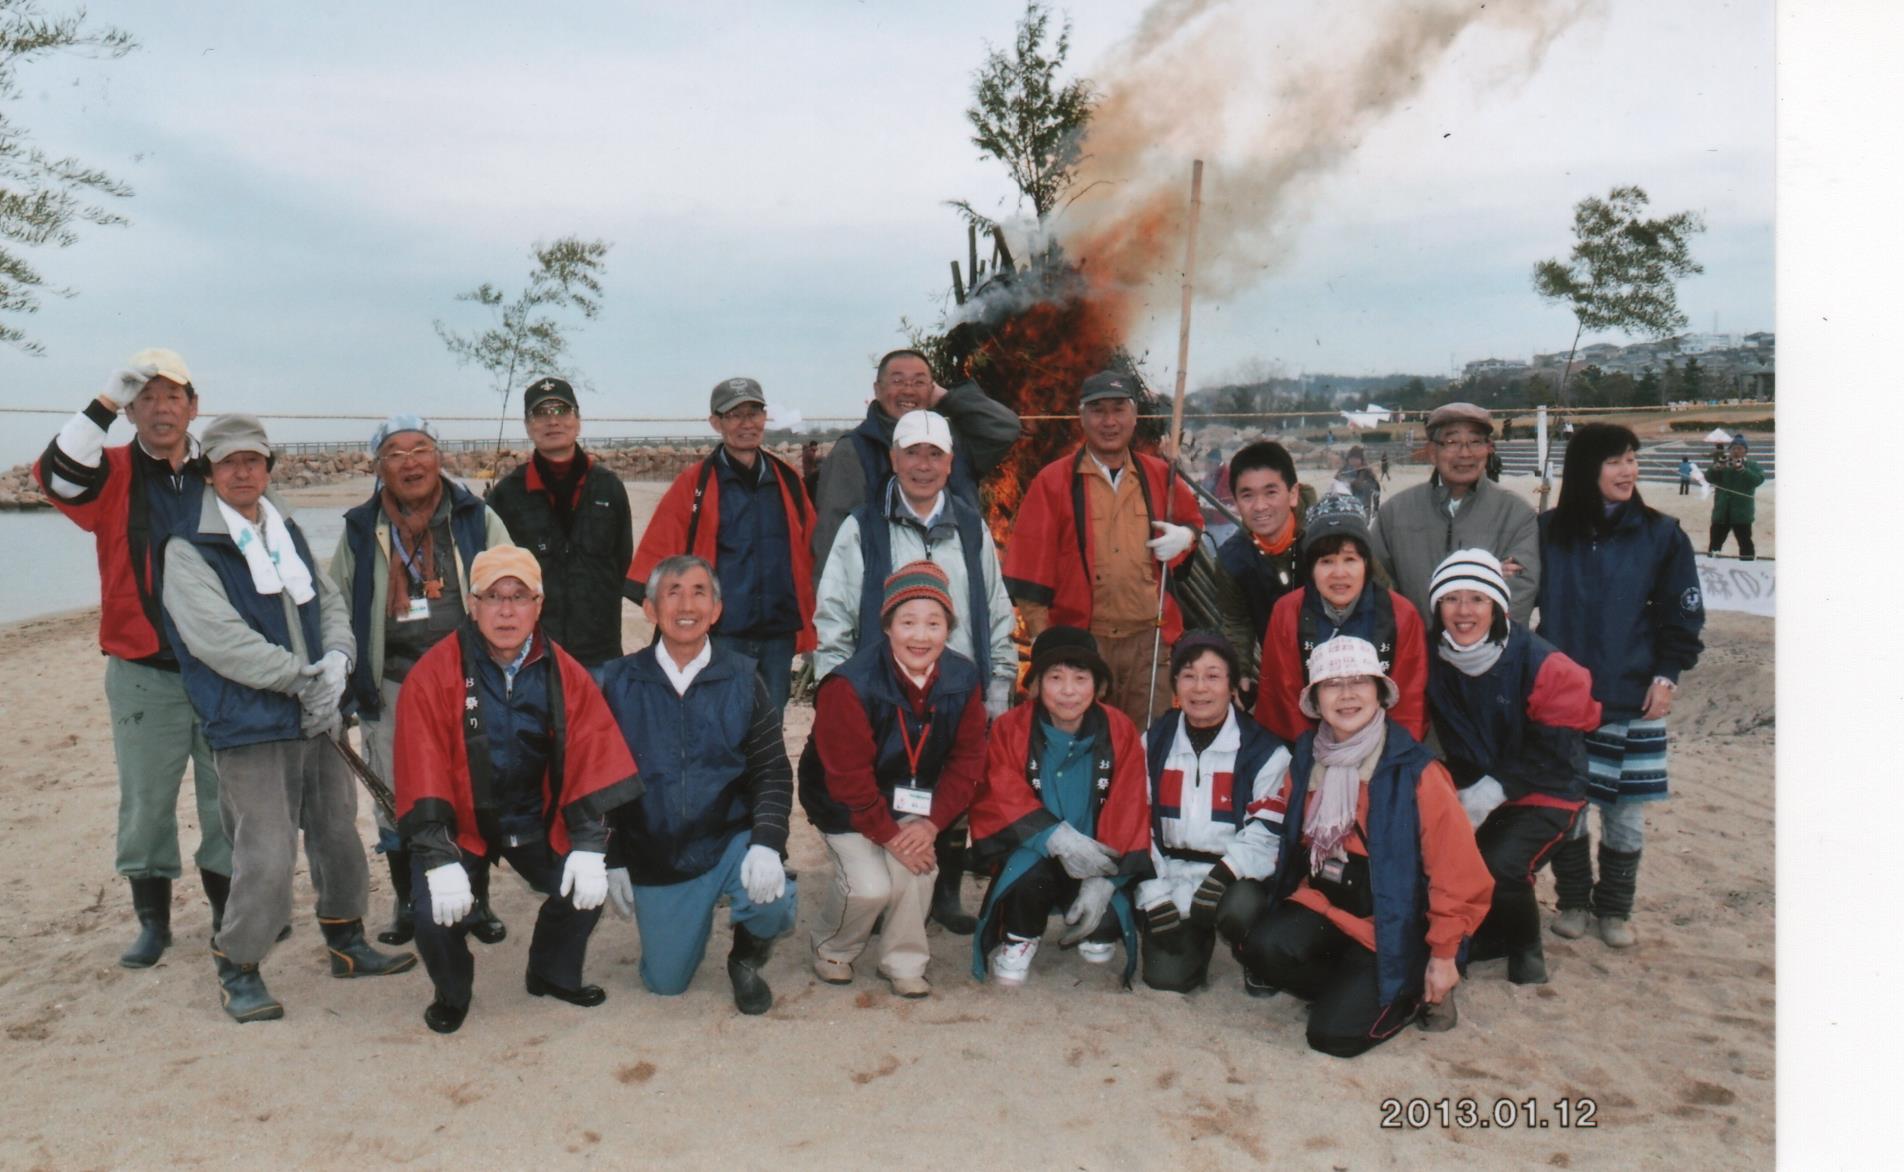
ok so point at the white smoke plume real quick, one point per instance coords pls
(1272, 94)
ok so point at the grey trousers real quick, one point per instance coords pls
(268, 792)
(380, 753)
(154, 733)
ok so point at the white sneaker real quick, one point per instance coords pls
(1097, 951)
(1011, 961)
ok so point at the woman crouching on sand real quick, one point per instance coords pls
(1378, 883)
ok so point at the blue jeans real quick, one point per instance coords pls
(676, 920)
(773, 658)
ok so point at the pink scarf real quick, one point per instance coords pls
(1331, 813)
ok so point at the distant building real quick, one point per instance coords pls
(1494, 368)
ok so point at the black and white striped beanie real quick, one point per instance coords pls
(1469, 569)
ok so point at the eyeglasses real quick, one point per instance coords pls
(746, 413)
(1462, 445)
(1345, 684)
(508, 601)
(555, 410)
(399, 455)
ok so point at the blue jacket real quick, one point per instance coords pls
(1396, 879)
(692, 752)
(1625, 604)
(753, 561)
(469, 529)
(1505, 723)
(232, 714)
(870, 674)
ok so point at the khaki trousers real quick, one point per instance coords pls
(868, 881)
(1128, 657)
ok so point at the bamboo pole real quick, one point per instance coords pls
(1176, 421)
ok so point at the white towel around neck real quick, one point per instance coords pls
(274, 561)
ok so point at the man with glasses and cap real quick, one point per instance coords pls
(130, 497)
(744, 511)
(572, 513)
(402, 567)
(508, 752)
(264, 648)
(1091, 540)
(1459, 508)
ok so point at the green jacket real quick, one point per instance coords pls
(1732, 490)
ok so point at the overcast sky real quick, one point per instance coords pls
(315, 184)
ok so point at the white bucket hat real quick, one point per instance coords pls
(1343, 656)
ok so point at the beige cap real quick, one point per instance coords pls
(228, 435)
(505, 561)
(1460, 413)
(157, 362)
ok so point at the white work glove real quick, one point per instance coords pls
(450, 897)
(317, 711)
(585, 879)
(998, 698)
(1081, 857)
(1086, 911)
(1480, 800)
(335, 672)
(621, 892)
(1171, 540)
(123, 386)
(763, 875)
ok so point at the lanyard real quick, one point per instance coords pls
(914, 751)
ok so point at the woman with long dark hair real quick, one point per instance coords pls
(1619, 594)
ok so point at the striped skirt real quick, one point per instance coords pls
(1626, 762)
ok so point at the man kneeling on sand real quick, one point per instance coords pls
(717, 792)
(264, 647)
(505, 750)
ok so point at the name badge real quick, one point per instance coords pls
(909, 799)
(419, 609)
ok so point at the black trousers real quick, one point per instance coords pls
(1025, 908)
(1516, 842)
(1178, 960)
(1301, 952)
(1747, 551)
(556, 951)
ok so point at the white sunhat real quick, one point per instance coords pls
(1343, 656)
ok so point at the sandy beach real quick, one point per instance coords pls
(1672, 1041)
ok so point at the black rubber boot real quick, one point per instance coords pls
(352, 956)
(482, 922)
(950, 848)
(744, 962)
(243, 993)
(217, 891)
(1573, 874)
(402, 927)
(1515, 922)
(1613, 895)
(152, 903)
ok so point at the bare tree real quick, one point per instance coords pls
(527, 338)
(43, 199)
(1621, 272)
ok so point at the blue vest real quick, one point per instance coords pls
(467, 528)
(1483, 725)
(1257, 746)
(690, 752)
(872, 439)
(1372, 620)
(875, 548)
(230, 713)
(871, 675)
(1399, 887)
(159, 506)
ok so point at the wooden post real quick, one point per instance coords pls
(958, 290)
(1176, 421)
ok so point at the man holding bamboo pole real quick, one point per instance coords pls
(1091, 542)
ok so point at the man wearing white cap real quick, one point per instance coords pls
(402, 566)
(264, 647)
(915, 518)
(131, 497)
